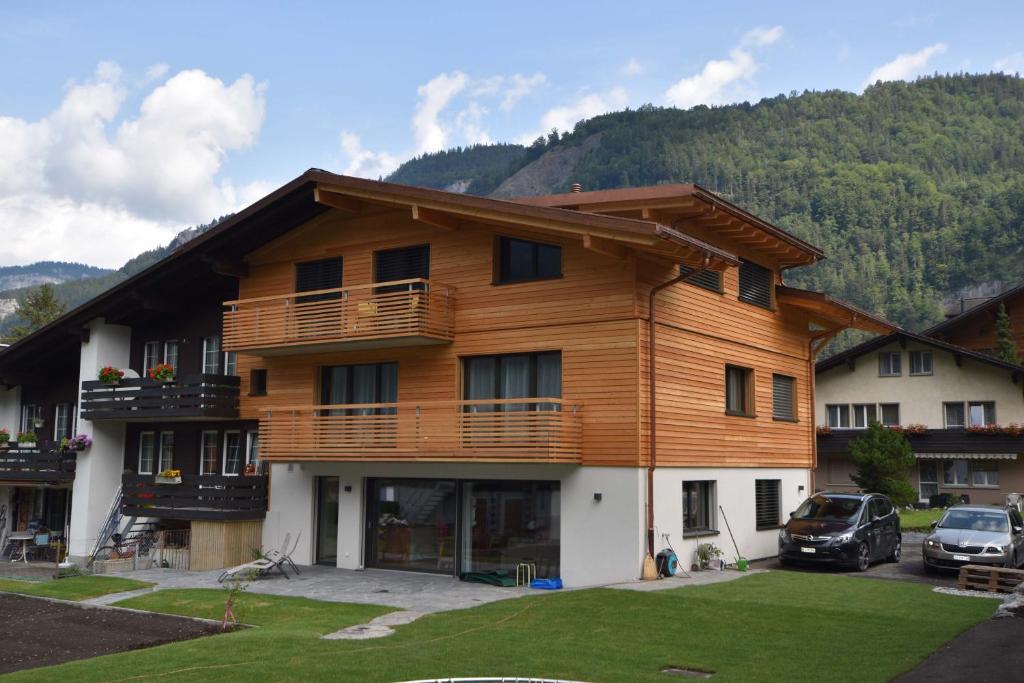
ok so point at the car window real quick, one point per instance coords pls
(975, 520)
(884, 507)
(827, 507)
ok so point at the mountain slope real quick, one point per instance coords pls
(914, 190)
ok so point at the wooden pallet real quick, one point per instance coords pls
(991, 579)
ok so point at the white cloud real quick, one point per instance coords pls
(906, 65)
(68, 175)
(724, 80)
(429, 133)
(470, 122)
(1010, 64)
(155, 73)
(632, 67)
(521, 87)
(565, 117)
(363, 162)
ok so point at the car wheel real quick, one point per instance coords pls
(897, 550)
(928, 569)
(1012, 564)
(863, 557)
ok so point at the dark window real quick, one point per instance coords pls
(838, 416)
(311, 276)
(920, 362)
(258, 382)
(406, 263)
(768, 502)
(755, 284)
(863, 415)
(954, 415)
(708, 279)
(521, 260)
(890, 413)
(981, 413)
(739, 391)
(889, 364)
(783, 397)
(698, 507)
(520, 375)
(368, 383)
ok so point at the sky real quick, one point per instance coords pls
(122, 123)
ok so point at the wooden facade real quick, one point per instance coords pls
(976, 328)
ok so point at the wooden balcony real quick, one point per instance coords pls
(44, 463)
(205, 496)
(535, 430)
(197, 397)
(384, 314)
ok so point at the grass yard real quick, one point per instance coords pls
(919, 520)
(779, 626)
(74, 588)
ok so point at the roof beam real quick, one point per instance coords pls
(606, 247)
(229, 267)
(337, 201)
(434, 218)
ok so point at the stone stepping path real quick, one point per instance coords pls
(376, 628)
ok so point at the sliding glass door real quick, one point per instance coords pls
(520, 375)
(412, 524)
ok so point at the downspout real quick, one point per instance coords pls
(652, 385)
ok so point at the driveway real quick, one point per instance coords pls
(910, 568)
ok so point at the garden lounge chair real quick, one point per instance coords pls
(274, 559)
(284, 555)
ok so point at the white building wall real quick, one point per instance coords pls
(98, 470)
(920, 397)
(734, 489)
(10, 409)
(601, 541)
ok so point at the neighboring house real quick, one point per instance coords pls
(975, 328)
(905, 379)
(445, 383)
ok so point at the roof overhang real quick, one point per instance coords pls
(831, 313)
(965, 456)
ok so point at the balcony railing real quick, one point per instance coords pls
(511, 430)
(43, 463)
(196, 397)
(195, 497)
(402, 312)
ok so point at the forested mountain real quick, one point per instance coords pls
(914, 190)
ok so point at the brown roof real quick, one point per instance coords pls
(832, 310)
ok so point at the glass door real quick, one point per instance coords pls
(327, 521)
(411, 524)
(928, 478)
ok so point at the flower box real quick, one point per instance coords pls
(158, 479)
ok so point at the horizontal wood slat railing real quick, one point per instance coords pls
(214, 396)
(510, 430)
(42, 463)
(205, 496)
(401, 308)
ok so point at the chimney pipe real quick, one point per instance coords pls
(576, 187)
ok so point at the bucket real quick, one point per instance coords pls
(741, 564)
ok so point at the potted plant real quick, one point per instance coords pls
(824, 430)
(168, 476)
(162, 372)
(75, 444)
(27, 439)
(111, 375)
(707, 555)
(250, 470)
(5, 437)
(913, 429)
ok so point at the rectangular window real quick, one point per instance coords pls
(171, 354)
(985, 474)
(890, 414)
(30, 414)
(739, 391)
(150, 356)
(232, 453)
(708, 279)
(783, 397)
(920, 362)
(954, 415)
(889, 364)
(863, 415)
(210, 453)
(755, 284)
(62, 422)
(522, 260)
(165, 459)
(981, 413)
(954, 472)
(230, 363)
(407, 263)
(312, 276)
(838, 416)
(368, 383)
(211, 355)
(147, 452)
(512, 376)
(768, 503)
(252, 447)
(258, 382)
(698, 507)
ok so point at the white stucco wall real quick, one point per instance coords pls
(920, 397)
(10, 409)
(734, 488)
(98, 470)
(601, 542)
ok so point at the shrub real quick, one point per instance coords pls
(883, 462)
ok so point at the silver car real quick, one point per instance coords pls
(975, 534)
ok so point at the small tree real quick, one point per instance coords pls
(37, 308)
(1006, 346)
(883, 461)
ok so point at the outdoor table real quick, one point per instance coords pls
(24, 537)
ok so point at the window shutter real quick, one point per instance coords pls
(311, 276)
(755, 284)
(767, 502)
(401, 264)
(708, 279)
(783, 397)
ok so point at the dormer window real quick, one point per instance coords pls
(889, 364)
(920, 362)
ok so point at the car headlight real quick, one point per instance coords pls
(996, 549)
(843, 538)
(783, 534)
(931, 544)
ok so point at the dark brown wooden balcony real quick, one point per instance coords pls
(205, 496)
(383, 314)
(196, 397)
(44, 463)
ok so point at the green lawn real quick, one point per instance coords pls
(75, 588)
(779, 626)
(919, 520)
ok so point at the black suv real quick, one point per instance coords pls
(848, 529)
